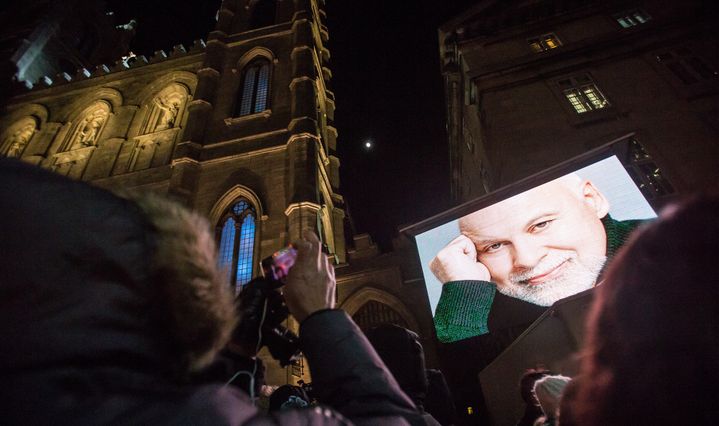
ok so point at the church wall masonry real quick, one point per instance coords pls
(245, 116)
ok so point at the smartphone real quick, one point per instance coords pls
(277, 266)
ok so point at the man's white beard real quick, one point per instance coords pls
(575, 277)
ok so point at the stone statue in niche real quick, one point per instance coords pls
(88, 134)
(19, 139)
(89, 129)
(168, 109)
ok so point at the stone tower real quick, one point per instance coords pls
(239, 128)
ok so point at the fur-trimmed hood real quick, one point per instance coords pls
(91, 280)
(193, 296)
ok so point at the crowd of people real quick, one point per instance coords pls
(114, 311)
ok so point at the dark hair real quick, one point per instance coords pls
(652, 352)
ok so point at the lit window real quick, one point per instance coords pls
(237, 243)
(645, 172)
(632, 18)
(255, 88)
(686, 66)
(583, 94)
(544, 43)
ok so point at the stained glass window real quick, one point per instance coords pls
(227, 245)
(255, 88)
(237, 243)
(247, 245)
(239, 207)
(263, 85)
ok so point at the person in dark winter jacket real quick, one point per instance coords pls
(107, 305)
(439, 402)
(403, 354)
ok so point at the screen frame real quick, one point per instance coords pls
(617, 147)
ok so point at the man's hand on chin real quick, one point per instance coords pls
(458, 262)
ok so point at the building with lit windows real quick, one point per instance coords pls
(529, 84)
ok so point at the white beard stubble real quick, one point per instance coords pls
(575, 277)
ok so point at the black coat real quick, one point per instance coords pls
(80, 339)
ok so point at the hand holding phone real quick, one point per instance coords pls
(311, 282)
(277, 266)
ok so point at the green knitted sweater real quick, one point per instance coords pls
(464, 306)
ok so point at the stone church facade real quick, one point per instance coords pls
(239, 128)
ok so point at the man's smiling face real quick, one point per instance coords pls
(544, 244)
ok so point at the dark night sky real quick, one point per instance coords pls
(388, 88)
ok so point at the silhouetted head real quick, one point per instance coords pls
(403, 354)
(652, 352)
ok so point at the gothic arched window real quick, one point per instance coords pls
(374, 313)
(255, 88)
(237, 230)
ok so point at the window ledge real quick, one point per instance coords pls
(594, 116)
(73, 155)
(263, 115)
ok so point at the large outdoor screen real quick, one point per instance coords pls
(542, 244)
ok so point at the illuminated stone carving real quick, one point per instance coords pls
(18, 137)
(90, 126)
(166, 108)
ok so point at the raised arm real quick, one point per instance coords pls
(346, 372)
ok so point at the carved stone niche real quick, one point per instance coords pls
(152, 150)
(166, 109)
(87, 132)
(17, 137)
(72, 163)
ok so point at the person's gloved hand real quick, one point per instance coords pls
(311, 281)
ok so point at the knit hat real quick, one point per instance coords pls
(548, 391)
